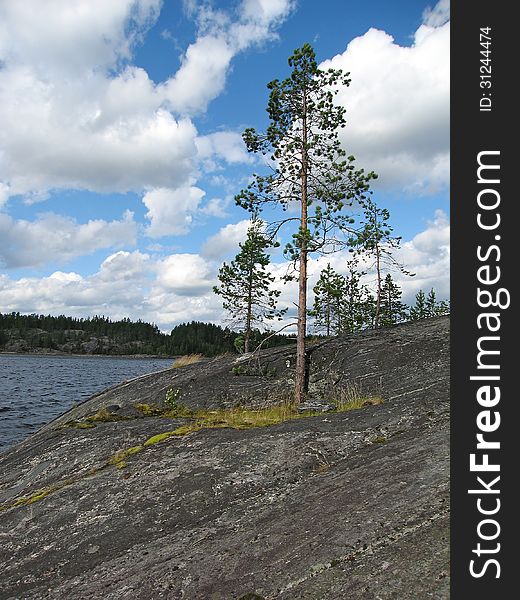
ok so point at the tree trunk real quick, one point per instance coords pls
(378, 299)
(300, 379)
(299, 387)
(249, 314)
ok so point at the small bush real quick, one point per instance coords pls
(175, 409)
(171, 398)
(187, 359)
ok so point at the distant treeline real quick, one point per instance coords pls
(100, 335)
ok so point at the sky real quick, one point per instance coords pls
(121, 148)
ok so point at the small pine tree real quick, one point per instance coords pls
(358, 303)
(245, 284)
(328, 293)
(431, 303)
(392, 310)
(428, 306)
(419, 310)
(376, 241)
(442, 308)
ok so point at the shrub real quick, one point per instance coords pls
(171, 398)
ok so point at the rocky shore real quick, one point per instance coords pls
(339, 505)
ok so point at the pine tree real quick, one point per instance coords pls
(392, 310)
(428, 306)
(309, 169)
(328, 293)
(376, 241)
(245, 284)
(358, 304)
(443, 308)
(419, 311)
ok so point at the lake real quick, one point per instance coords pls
(36, 389)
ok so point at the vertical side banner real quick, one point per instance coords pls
(484, 435)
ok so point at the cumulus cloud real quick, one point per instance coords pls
(216, 207)
(398, 105)
(226, 240)
(171, 211)
(53, 237)
(178, 288)
(62, 37)
(206, 62)
(224, 145)
(76, 114)
(113, 292)
(185, 274)
(428, 256)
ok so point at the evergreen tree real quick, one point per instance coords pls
(309, 169)
(428, 306)
(419, 311)
(376, 241)
(358, 303)
(392, 310)
(245, 284)
(328, 293)
(443, 308)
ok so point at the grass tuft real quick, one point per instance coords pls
(351, 398)
(187, 359)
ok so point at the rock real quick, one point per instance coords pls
(342, 505)
(315, 407)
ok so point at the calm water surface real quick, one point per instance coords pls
(36, 389)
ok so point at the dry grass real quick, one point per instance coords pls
(187, 359)
(352, 398)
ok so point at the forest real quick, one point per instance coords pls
(101, 335)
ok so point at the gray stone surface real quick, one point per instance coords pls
(343, 505)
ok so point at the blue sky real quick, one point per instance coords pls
(120, 147)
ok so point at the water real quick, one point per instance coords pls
(36, 389)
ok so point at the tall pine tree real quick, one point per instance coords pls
(310, 169)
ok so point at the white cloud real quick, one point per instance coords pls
(398, 107)
(201, 76)
(206, 62)
(114, 292)
(63, 37)
(77, 115)
(226, 145)
(428, 256)
(53, 237)
(226, 241)
(438, 15)
(4, 193)
(266, 11)
(185, 275)
(124, 266)
(216, 207)
(179, 287)
(171, 211)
